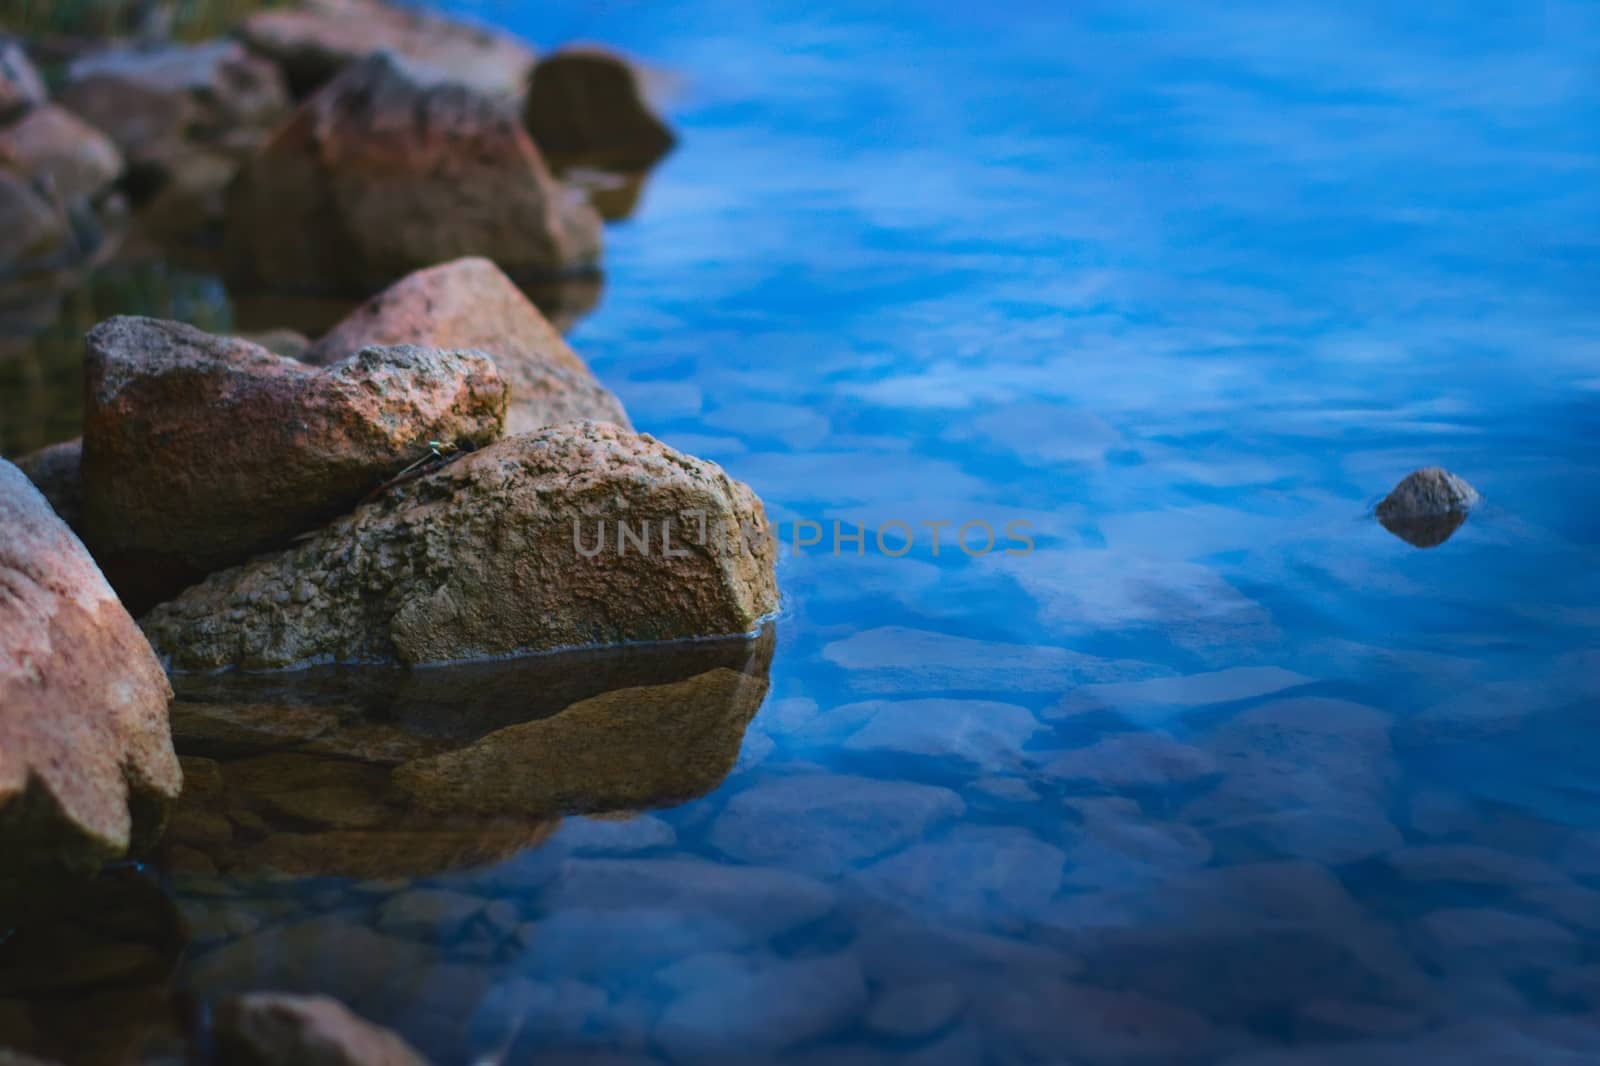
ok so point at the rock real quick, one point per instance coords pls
(1427, 506)
(482, 559)
(744, 1009)
(429, 914)
(979, 876)
(272, 1029)
(585, 108)
(21, 87)
(161, 102)
(55, 471)
(824, 824)
(52, 145)
(200, 450)
(292, 344)
(313, 43)
(916, 1010)
(627, 749)
(1133, 760)
(470, 303)
(381, 173)
(978, 732)
(86, 762)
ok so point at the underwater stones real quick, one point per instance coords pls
(56, 471)
(978, 875)
(1427, 506)
(383, 172)
(626, 749)
(744, 1007)
(199, 450)
(312, 43)
(272, 1029)
(86, 762)
(470, 303)
(482, 558)
(824, 824)
(585, 107)
(50, 145)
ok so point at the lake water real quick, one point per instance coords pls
(1218, 770)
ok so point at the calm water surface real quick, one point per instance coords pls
(1220, 771)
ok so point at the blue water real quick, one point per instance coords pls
(1220, 770)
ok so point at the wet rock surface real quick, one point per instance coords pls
(383, 172)
(86, 760)
(470, 303)
(199, 450)
(1427, 507)
(314, 42)
(586, 108)
(482, 558)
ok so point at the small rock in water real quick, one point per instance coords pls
(470, 303)
(585, 108)
(1427, 506)
(273, 1029)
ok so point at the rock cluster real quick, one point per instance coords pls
(384, 171)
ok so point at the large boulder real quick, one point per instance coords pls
(274, 1029)
(585, 107)
(579, 534)
(56, 471)
(470, 303)
(383, 172)
(1427, 506)
(21, 87)
(200, 450)
(52, 145)
(86, 761)
(314, 42)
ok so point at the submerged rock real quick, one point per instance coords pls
(200, 450)
(52, 145)
(274, 1029)
(383, 172)
(1427, 506)
(518, 546)
(585, 108)
(313, 43)
(56, 471)
(470, 303)
(86, 761)
(628, 749)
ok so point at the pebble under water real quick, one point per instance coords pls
(1219, 771)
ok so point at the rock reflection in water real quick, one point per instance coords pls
(324, 812)
(1427, 531)
(104, 952)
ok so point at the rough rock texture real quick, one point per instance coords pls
(273, 1029)
(585, 108)
(50, 144)
(314, 42)
(86, 762)
(483, 558)
(56, 472)
(627, 749)
(21, 87)
(200, 450)
(1427, 507)
(381, 173)
(470, 303)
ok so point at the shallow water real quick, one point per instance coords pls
(1220, 770)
